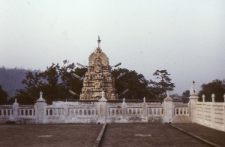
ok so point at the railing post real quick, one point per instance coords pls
(213, 97)
(203, 108)
(144, 109)
(224, 97)
(213, 110)
(40, 109)
(102, 109)
(224, 113)
(223, 117)
(203, 98)
(15, 111)
(192, 103)
(124, 109)
(168, 108)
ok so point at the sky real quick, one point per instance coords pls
(187, 38)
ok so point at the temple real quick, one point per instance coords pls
(98, 78)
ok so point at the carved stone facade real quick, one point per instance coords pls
(98, 78)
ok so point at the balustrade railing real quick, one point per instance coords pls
(155, 111)
(115, 112)
(181, 111)
(134, 111)
(54, 112)
(6, 112)
(82, 112)
(26, 112)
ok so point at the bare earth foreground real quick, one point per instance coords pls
(65, 135)
(155, 135)
(116, 135)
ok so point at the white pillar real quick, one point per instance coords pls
(224, 117)
(213, 97)
(192, 103)
(40, 110)
(102, 109)
(124, 110)
(212, 113)
(203, 98)
(224, 97)
(6, 111)
(66, 110)
(110, 112)
(168, 108)
(144, 110)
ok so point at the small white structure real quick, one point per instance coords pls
(168, 108)
(192, 103)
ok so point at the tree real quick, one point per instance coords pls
(186, 95)
(159, 88)
(136, 83)
(29, 93)
(3, 96)
(55, 82)
(68, 80)
(217, 87)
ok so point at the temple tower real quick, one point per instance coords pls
(98, 78)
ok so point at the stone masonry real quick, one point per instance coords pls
(98, 78)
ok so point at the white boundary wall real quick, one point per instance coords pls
(100, 111)
(211, 114)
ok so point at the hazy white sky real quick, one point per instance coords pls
(185, 37)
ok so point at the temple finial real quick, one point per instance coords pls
(168, 93)
(99, 41)
(41, 93)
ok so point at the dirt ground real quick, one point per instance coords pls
(65, 135)
(215, 136)
(147, 135)
(116, 135)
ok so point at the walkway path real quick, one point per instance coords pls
(115, 135)
(215, 136)
(58, 135)
(148, 135)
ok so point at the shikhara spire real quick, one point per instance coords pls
(98, 78)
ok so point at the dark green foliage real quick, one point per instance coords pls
(159, 88)
(136, 83)
(69, 82)
(48, 82)
(186, 95)
(3, 96)
(217, 87)
(54, 82)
